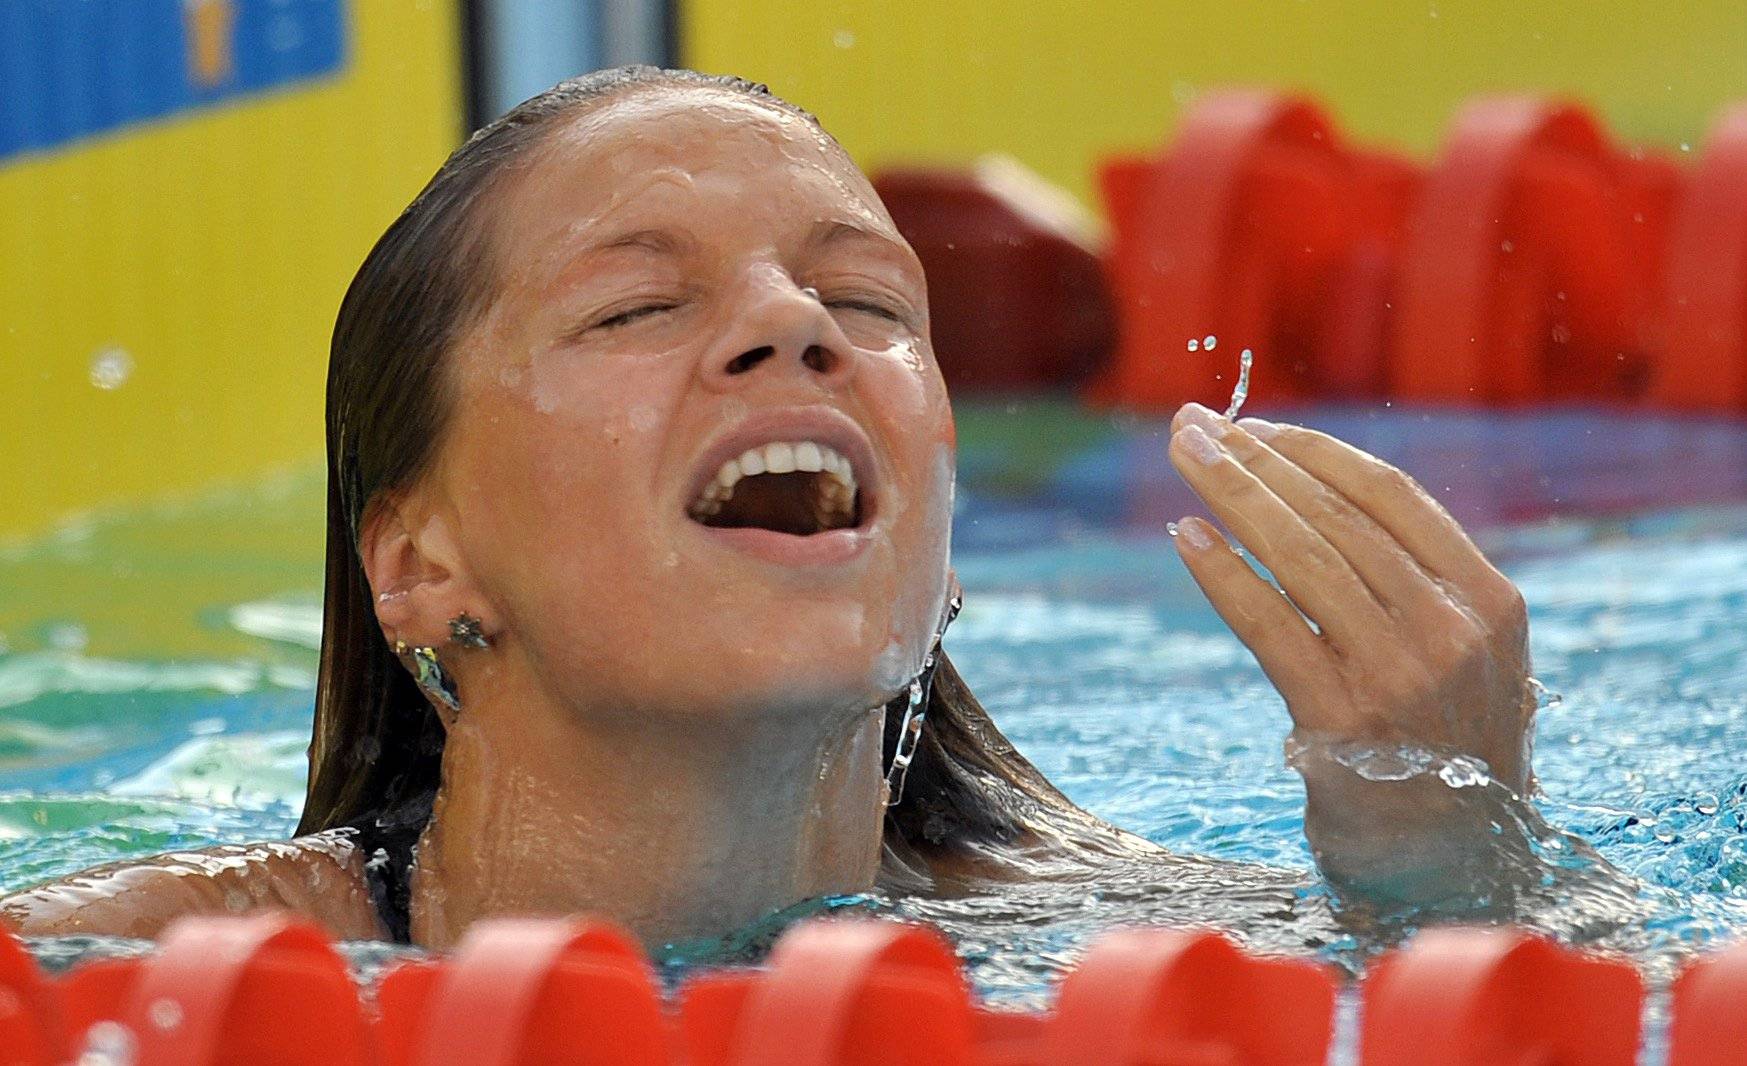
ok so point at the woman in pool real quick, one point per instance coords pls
(640, 486)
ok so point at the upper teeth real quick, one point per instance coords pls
(781, 457)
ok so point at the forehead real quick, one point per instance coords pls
(654, 152)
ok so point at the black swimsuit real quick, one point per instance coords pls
(390, 843)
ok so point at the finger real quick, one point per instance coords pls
(1289, 652)
(1396, 502)
(1393, 575)
(1305, 564)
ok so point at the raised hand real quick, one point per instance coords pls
(1401, 652)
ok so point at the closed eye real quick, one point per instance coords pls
(867, 307)
(626, 317)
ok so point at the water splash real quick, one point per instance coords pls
(110, 368)
(108, 1043)
(1242, 392)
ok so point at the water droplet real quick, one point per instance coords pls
(1685, 146)
(1209, 341)
(1194, 345)
(1707, 804)
(1463, 773)
(67, 636)
(166, 1014)
(108, 1044)
(843, 39)
(1507, 246)
(1561, 334)
(1544, 696)
(1171, 528)
(111, 367)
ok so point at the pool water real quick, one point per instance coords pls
(157, 665)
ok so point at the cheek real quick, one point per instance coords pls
(908, 385)
(560, 460)
(913, 582)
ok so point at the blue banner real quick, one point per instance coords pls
(72, 69)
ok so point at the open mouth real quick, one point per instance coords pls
(800, 488)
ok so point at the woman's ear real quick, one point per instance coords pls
(415, 570)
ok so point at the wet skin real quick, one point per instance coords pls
(679, 726)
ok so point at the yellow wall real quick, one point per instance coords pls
(213, 248)
(1058, 83)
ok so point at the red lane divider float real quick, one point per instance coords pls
(1535, 260)
(245, 991)
(1165, 995)
(858, 993)
(32, 1030)
(269, 990)
(1464, 997)
(1518, 280)
(1703, 366)
(525, 992)
(1710, 1012)
(1261, 228)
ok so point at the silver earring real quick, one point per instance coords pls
(465, 630)
(429, 676)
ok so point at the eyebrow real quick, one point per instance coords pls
(656, 241)
(834, 231)
(659, 241)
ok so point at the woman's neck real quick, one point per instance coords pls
(676, 828)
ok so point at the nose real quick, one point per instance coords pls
(780, 329)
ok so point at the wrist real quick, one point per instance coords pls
(1407, 824)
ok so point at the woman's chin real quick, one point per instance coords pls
(811, 689)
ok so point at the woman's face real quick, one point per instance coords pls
(690, 288)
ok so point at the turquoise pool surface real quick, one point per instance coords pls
(156, 665)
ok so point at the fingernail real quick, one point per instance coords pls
(1260, 428)
(1197, 415)
(1195, 532)
(1198, 444)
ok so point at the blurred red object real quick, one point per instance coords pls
(1481, 997)
(1145, 996)
(526, 992)
(32, 1027)
(1704, 353)
(268, 988)
(1524, 277)
(1709, 1027)
(844, 993)
(1016, 288)
(1260, 228)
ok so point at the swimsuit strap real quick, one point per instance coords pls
(390, 845)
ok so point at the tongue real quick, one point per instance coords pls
(785, 503)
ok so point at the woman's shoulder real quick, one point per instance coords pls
(320, 877)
